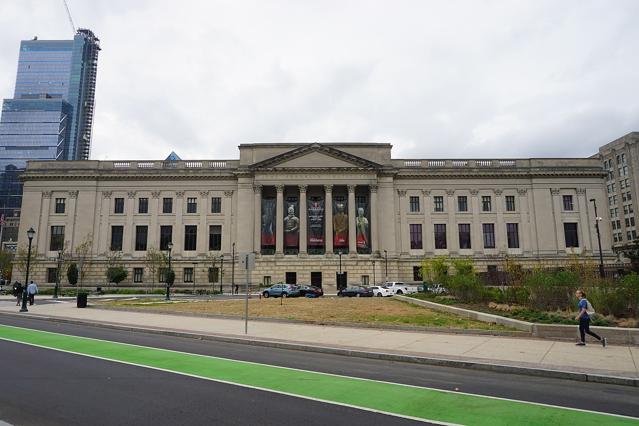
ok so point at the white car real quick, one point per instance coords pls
(400, 288)
(381, 291)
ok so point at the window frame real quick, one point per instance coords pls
(138, 275)
(167, 202)
(216, 205)
(512, 235)
(118, 205)
(488, 237)
(415, 234)
(60, 202)
(143, 205)
(486, 203)
(464, 233)
(459, 203)
(191, 205)
(212, 238)
(141, 238)
(439, 236)
(511, 203)
(190, 237)
(56, 241)
(121, 236)
(574, 233)
(413, 204)
(438, 204)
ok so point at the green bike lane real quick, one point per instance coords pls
(396, 399)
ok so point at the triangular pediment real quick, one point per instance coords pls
(315, 156)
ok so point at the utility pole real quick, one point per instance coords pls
(602, 274)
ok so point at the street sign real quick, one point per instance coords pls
(247, 261)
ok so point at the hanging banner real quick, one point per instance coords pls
(362, 226)
(315, 215)
(292, 224)
(340, 223)
(268, 222)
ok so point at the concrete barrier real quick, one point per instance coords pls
(614, 335)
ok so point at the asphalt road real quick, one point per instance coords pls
(69, 392)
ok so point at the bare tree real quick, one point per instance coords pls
(154, 261)
(20, 258)
(82, 254)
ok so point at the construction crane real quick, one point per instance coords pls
(66, 6)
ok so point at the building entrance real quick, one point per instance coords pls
(316, 279)
(291, 278)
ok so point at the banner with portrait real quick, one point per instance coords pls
(340, 222)
(315, 215)
(291, 223)
(268, 222)
(362, 224)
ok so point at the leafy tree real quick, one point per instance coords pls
(117, 274)
(6, 259)
(72, 274)
(170, 277)
(631, 251)
(82, 254)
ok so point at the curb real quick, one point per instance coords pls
(424, 360)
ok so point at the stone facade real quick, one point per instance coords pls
(530, 209)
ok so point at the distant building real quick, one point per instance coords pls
(50, 116)
(621, 162)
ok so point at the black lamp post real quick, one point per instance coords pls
(340, 262)
(233, 269)
(221, 273)
(597, 219)
(193, 277)
(168, 274)
(57, 275)
(30, 234)
(386, 262)
(374, 280)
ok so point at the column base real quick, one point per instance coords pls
(352, 254)
(302, 254)
(279, 254)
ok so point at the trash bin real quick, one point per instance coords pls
(82, 300)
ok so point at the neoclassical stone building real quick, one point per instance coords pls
(309, 209)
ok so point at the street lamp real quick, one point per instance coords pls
(193, 277)
(597, 219)
(374, 280)
(386, 261)
(233, 270)
(30, 235)
(340, 262)
(57, 275)
(221, 273)
(168, 274)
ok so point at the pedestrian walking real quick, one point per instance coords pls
(585, 312)
(17, 292)
(32, 290)
(237, 289)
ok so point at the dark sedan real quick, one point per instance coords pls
(310, 291)
(355, 291)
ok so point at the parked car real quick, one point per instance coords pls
(281, 290)
(380, 291)
(355, 291)
(400, 287)
(436, 289)
(310, 291)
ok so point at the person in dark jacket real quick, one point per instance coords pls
(17, 292)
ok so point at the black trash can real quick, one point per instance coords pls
(82, 300)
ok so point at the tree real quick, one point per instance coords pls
(115, 273)
(631, 251)
(154, 261)
(20, 259)
(6, 259)
(82, 251)
(72, 274)
(170, 277)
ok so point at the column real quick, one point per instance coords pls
(105, 234)
(559, 229)
(203, 233)
(387, 213)
(303, 227)
(43, 231)
(178, 229)
(154, 230)
(500, 226)
(128, 244)
(403, 223)
(452, 231)
(526, 242)
(352, 232)
(227, 235)
(328, 219)
(73, 210)
(374, 217)
(242, 220)
(585, 224)
(279, 239)
(428, 232)
(257, 212)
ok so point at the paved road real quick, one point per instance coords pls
(58, 379)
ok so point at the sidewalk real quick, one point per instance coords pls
(618, 361)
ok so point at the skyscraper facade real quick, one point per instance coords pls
(50, 116)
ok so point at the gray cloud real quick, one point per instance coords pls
(435, 79)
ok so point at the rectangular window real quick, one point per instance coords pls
(162, 274)
(52, 275)
(632, 221)
(214, 274)
(188, 275)
(415, 236)
(190, 237)
(167, 205)
(510, 203)
(570, 234)
(438, 202)
(464, 235)
(414, 204)
(215, 237)
(266, 280)
(216, 205)
(141, 234)
(627, 221)
(143, 205)
(486, 203)
(462, 203)
(138, 275)
(118, 206)
(628, 196)
(489, 235)
(365, 280)
(568, 205)
(191, 205)
(57, 238)
(440, 235)
(166, 236)
(417, 273)
(512, 235)
(117, 233)
(60, 205)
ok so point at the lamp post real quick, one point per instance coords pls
(374, 280)
(597, 219)
(221, 273)
(386, 262)
(57, 275)
(170, 247)
(340, 262)
(233, 269)
(194, 267)
(30, 235)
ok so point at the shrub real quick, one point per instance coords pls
(72, 274)
(170, 277)
(116, 274)
(551, 290)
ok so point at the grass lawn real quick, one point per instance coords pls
(375, 310)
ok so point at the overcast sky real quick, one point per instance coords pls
(434, 78)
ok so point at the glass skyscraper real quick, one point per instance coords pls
(50, 116)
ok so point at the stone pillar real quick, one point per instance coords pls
(257, 226)
(128, 244)
(328, 219)
(104, 244)
(154, 230)
(352, 232)
(279, 215)
(403, 224)
(374, 217)
(43, 231)
(227, 234)
(178, 231)
(452, 233)
(525, 227)
(73, 210)
(203, 233)
(428, 232)
(501, 243)
(303, 227)
(243, 219)
(559, 230)
(585, 225)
